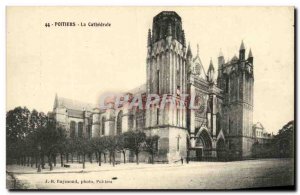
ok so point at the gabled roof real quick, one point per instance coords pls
(258, 125)
(197, 66)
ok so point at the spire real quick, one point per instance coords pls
(221, 59)
(211, 66)
(55, 101)
(210, 72)
(197, 49)
(221, 53)
(189, 51)
(242, 47)
(250, 54)
(250, 57)
(169, 33)
(242, 51)
(149, 37)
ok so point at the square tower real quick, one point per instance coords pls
(236, 80)
(166, 77)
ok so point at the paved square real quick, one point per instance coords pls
(196, 175)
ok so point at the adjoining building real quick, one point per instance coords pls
(260, 134)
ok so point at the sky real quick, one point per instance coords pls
(83, 62)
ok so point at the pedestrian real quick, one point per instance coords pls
(181, 160)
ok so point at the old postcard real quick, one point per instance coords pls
(166, 98)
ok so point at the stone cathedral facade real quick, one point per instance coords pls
(220, 128)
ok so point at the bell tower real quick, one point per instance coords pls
(166, 77)
(237, 80)
(166, 55)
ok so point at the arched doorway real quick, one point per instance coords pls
(203, 145)
(221, 150)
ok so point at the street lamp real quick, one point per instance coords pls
(39, 158)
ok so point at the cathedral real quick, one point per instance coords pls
(222, 127)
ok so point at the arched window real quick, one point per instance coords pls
(143, 118)
(178, 78)
(136, 121)
(72, 129)
(130, 121)
(89, 134)
(226, 85)
(119, 123)
(218, 123)
(103, 126)
(157, 116)
(80, 129)
(157, 81)
(177, 116)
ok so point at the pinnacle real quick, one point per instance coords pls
(242, 47)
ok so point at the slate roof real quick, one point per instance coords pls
(73, 105)
(138, 90)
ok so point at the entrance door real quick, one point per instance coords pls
(199, 152)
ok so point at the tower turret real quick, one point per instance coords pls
(250, 57)
(242, 51)
(221, 62)
(189, 54)
(211, 72)
(221, 59)
(161, 23)
(237, 84)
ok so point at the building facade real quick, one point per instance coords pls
(220, 128)
(260, 134)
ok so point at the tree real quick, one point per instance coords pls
(285, 140)
(17, 123)
(122, 145)
(60, 145)
(82, 148)
(135, 140)
(17, 129)
(111, 144)
(99, 146)
(49, 139)
(70, 148)
(151, 146)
